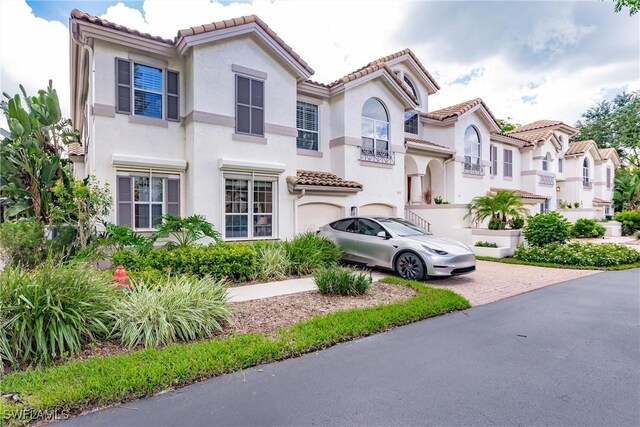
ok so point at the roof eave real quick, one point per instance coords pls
(295, 188)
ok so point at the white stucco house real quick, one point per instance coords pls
(224, 121)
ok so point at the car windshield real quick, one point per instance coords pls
(402, 228)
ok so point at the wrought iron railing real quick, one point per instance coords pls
(547, 180)
(417, 220)
(586, 183)
(473, 168)
(379, 156)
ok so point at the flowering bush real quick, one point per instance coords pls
(580, 254)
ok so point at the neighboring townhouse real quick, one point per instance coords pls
(224, 121)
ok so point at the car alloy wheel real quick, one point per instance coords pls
(409, 266)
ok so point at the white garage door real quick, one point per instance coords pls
(376, 209)
(314, 215)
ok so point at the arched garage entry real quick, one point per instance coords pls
(377, 209)
(312, 216)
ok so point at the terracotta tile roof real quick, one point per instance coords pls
(579, 147)
(371, 68)
(606, 153)
(533, 138)
(413, 56)
(229, 23)
(82, 16)
(75, 149)
(598, 201)
(457, 110)
(321, 179)
(538, 124)
(520, 193)
(516, 136)
(427, 143)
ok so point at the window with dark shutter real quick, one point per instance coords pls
(124, 202)
(173, 196)
(493, 157)
(173, 98)
(249, 106)
(123, 86)
(508, 163)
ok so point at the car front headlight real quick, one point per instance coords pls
(435, 251)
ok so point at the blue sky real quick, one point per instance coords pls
(527, 60)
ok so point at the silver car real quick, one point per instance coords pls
(396, 244)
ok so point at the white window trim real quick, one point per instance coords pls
(417, 122)
(505, 163)
(317, 132)
(474, 165)
(162, 93)
(263, 108)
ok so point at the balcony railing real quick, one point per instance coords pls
(547, 180)
(586, 183)
(473, 169)
(378, 156)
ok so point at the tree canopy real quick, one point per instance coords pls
(506, 125)
(633, 5)
(614, 124)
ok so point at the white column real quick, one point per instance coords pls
(417, 195)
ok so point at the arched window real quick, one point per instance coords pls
(375, 129)
(411, 86)
(472, 151)
(546, 162)
(585, 173)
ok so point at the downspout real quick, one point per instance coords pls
(89, 101)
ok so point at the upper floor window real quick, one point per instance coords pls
(249, 106)
(508, 162)
(472, 151)
(608, 177)
(560, 165)
(546, 161)
(143, 197)
(411, 87)
(307, 124)
(375, 131)
(146, 91)
(411, 122)
(493, 158)
(586, 173)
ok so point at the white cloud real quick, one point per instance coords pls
(556, 34)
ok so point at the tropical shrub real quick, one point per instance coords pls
(545, 228)
(499, 207)
(185, 231)
(177, 309)
(122, 237)
(496, 223)
(585, 227)
(516, 222)
(630, 221)
(22, 242)
(486, 245)
(580, 254)
(130, 259)
(52, 311)
(341, 281)
(309, 251)
(626, 194)
(272, 262)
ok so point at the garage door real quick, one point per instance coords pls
(314, 215)
(376, 209)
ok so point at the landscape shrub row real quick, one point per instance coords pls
(341, 281)
(580, 254)
(630, 221)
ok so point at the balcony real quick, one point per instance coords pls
(586, 183)
(547, 180)
(386, 157)
(473, 169)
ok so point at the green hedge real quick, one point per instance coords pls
(630, 221)
(585, 227)
(106, 380)
(580, 254)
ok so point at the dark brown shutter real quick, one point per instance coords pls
(173, 196)
(494, 165)
(123, 86)
(124, 201)
(173, 97)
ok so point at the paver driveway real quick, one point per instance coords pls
(493, 281)
(564, 355)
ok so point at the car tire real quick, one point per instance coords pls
(409, 266)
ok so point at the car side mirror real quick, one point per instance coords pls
(382, 234)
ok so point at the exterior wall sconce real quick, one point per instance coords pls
(354, 210)
(558, 189)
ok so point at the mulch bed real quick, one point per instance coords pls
(270, 314)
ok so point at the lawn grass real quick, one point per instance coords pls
(102, 381)
(552, 265)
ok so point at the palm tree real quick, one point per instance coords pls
(500, 207)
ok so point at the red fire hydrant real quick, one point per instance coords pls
(121, 279)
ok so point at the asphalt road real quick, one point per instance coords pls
(568, 354)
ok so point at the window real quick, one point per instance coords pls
(249, 207)
(142, 198)
(307, 123)
(546, 160)
(368, 227)
(585, 173)
(508, 163)
(560, 165)
(544, 206)
(249, 106)
(411, 87)
(607, 210)
(342, 224)
(608, 177)
(375, 130)
(472, 151)
(411, 122)
(150, 85)
(493, 157)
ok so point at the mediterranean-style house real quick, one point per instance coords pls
(224, 121)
